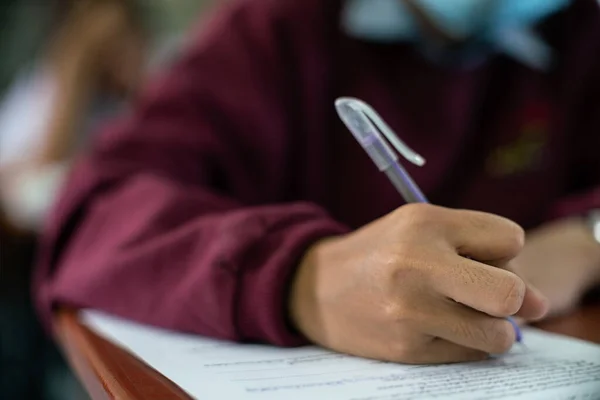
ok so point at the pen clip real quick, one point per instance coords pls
(372, 118)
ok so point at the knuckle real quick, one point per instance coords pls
(513, 295)
(416, 214)
(511, 235)
(394, 261)
(515, 238)
(399, 312)
(495, 338)
(500, 337)
(467, 331)
(404, 267)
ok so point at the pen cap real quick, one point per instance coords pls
(366, 134)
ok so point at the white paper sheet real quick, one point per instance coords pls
(552, 367)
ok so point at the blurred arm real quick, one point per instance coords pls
(175, 218)
(66, 82)
(583, 193)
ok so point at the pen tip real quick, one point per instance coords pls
(518, 334)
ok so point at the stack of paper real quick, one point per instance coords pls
(551, 367)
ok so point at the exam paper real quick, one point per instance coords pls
(551, 367)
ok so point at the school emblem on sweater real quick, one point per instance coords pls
(526, 152)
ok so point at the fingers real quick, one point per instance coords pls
(491, 290)
(535, 305)
(469, 328)
(477, 235)
(484, 237)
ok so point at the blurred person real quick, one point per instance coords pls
(91, 65)
(233, 203)
(24, 25)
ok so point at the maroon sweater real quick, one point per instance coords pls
(192, 212)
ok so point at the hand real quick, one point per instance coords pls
(99, 41)
(27, 192)
(563, 261)
(402, 288)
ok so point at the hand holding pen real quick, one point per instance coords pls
(365, 124)
(421, 285)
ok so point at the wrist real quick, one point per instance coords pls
(73, 88)
(301, 301)
(304, 298)
(75, 74)
(71, 65)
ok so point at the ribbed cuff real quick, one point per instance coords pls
(262, 311)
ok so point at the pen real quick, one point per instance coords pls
(365, 125)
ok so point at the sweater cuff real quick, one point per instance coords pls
(263, 299)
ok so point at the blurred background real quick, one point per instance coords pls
(67, 66)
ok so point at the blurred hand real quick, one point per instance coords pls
(402, 288)
(100, 38)
(563, 261)
(27, 192)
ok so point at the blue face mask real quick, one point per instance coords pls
(461, 19)
(481, 25)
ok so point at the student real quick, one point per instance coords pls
(234, 203)
(87, 67)
(87, 72)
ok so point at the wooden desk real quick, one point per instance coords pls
(107, 371)
(111, 373)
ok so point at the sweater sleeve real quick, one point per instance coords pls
(176, 216)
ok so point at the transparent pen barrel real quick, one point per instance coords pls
(404, 184)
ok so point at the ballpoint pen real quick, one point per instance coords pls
(365, 125)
